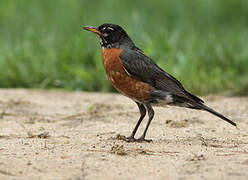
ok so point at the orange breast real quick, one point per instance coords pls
(126, 85)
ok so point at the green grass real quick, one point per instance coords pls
(202, 43)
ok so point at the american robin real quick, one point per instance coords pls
(136, 76)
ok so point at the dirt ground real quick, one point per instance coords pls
(74, 135)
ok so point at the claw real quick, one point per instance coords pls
(141, 139)
(127, 139)
(132, 139)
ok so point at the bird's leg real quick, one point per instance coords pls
(142, 110)
(150, 114)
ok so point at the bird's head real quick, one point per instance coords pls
(111, 36)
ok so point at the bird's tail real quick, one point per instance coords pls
(208, 109)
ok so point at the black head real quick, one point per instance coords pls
(111, 36)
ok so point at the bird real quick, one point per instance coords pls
(136, 76)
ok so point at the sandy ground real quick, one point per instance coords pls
(74, 135)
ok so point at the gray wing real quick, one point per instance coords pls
(141, 67)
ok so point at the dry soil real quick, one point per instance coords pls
(74, 135)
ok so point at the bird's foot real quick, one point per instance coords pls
(142, 139)
(127, 139)
(132, 139)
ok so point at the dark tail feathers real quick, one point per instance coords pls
(217, 114)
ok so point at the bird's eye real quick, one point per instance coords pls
(108, 29)
(111, 29)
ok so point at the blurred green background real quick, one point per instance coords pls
(203, 43)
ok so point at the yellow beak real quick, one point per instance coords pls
(92, 29)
